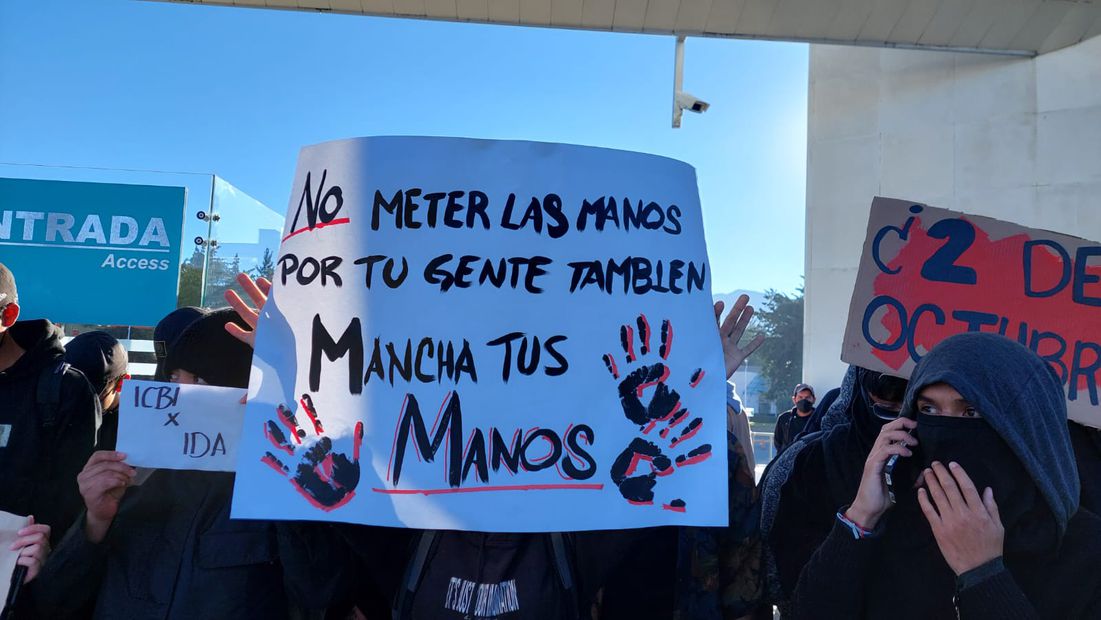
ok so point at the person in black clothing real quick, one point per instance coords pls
(103, 360)
(454, 575)
(167, 548)
(814, 424)
(803, 487)
(1086, 441)
(990, 527)
(790, 424)
(48, 418)
(168, 330)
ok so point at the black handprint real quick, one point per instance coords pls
(663, 406)
(326, 480)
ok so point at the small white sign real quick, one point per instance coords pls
(172, 426)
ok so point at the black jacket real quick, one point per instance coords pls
(515, 574)
(824, 477)
(1045, 571)
(1087, 453)
(39, 462)
(171, 552)
(877, 578)
(789, 426)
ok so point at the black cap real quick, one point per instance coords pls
(99, 356)
(168, 330)
(207, 350)
(800, 388)
(8, 292)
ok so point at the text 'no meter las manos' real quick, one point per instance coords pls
(483, 335)
(928, 273)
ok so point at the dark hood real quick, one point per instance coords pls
(41, 340)
(1022, 399)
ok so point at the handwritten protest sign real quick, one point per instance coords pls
(170, 426)
(482, 335)
(928, 273)
(9, 531)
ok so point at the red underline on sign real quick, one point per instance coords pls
(515, 487)
(342, 220)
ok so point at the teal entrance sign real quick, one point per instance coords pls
(100, 253)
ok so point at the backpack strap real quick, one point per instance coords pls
(48, 403)
(565, 574)
(48, 398)
(413, 573)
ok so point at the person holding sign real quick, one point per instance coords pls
(48, 418)
(465, 574)
(167, 548)
(991, 527)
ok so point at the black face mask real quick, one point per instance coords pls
(988, 461)
(804, 405)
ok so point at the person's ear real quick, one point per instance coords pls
(9, 315)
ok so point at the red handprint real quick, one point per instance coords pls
(662, 407)
(326, 479)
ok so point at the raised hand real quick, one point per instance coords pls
(732, 330)
(102, 484)
(649, 401)
(872, 499)
(326, 479)
(258, 291)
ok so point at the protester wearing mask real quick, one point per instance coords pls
(167, 548)
(790, 424)
(804, 486)
(103, 360)
(48, 418)
(993, 530)
(554, 575)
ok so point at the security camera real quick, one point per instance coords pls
(688, 101)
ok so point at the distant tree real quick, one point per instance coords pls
(197, 258)
(781, 356)
(191, 285)
(266, 268)
(221, 275)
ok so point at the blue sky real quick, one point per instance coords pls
(236, 92)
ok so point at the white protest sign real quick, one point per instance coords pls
(9, 530)
(491, 336)
(173, 426)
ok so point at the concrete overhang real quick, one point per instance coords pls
(1020, 27)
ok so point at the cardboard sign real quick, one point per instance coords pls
(9, 530)
(493, 336)
(929, 273)
(172, 426)
(103, 237)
